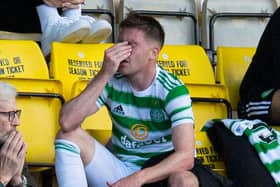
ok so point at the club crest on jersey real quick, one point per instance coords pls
(139, 131)
(157, 115)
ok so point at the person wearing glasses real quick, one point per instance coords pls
(13, 172)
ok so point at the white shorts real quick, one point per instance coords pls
(105, 167)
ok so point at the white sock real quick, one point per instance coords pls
(73, 13)
(47, 14)
(69, 167)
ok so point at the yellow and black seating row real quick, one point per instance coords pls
(23, 65)
(72, 65)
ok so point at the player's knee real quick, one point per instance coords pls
(185, 178)
(71, 135)
(63, 135)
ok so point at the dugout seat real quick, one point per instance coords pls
(238, 23)
(73, 62)
(40, 101)
(210, 100)
(178, 17)
(232, 64)
(189, 62)
(23, 65)
(22, 59)
(98, 125)
(74, 65)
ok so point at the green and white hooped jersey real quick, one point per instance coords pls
(263, 138)
(143, 120)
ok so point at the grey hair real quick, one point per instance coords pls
(7, 91)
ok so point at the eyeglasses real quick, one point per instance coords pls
(12, 114)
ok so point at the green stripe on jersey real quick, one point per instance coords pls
(273, 167)
(127, 122)
(166, 83)
(128, 98)
(177, 92)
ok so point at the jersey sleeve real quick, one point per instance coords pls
(179, 106)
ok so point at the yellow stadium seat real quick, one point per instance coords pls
(40, 101)
(22, 59)
(98, 125)
(237, 59)
(74, 65)
(210, 101)
(232, 64)
(72, 62)
(23, 65)
(189, 62)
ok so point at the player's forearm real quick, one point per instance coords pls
(76, 110)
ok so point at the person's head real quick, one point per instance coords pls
(9, 115)
(146, 36)
(151, 28)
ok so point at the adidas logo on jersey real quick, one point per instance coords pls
(118, 110)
